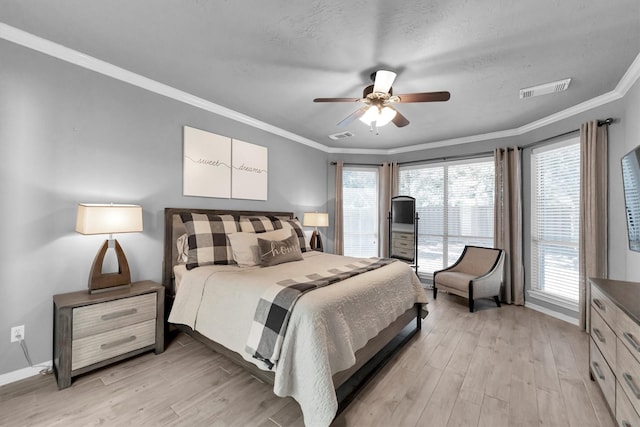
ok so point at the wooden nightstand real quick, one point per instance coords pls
(94, 330)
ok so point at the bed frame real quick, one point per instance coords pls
(369, 359)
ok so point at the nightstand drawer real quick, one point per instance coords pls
(93, 349)
(97, 318)
(604, 337)
(603, 374)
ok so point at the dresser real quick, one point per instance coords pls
(614, 346)
(94, 330)
(403, 245)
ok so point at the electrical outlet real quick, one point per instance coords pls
(17, 333)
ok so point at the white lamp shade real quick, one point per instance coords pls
(315, 219)
(108, 219)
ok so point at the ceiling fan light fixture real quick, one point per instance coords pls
(381, 117)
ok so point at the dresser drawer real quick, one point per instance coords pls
(626, 416)
(97, 318)
(96, 348)
(603, 375)
(603, 305)
(629, 333)
(604, 337)
(628, 374)
(403, 252)
(407, 237)
(399, 244)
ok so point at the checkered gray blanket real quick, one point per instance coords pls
(275, 306)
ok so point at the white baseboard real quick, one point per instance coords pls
(552, 313)
(21, 374)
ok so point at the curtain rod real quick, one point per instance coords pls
(357, 164)
(444, 159)
(600, 123)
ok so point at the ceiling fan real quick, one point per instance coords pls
(378, 100)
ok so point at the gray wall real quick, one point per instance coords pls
(69, 135)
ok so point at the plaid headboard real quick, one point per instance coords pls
(174, 228)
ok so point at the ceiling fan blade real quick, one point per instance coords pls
(383, 81)
(353, 116)
(424, 97)
(399, 120)
(336, 100)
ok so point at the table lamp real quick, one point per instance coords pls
(109, 219)
(316, 219)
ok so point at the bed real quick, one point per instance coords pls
(336, 335)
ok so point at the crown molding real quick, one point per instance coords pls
(80, 59)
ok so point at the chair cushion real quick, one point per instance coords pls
(478, 261)
(455, 280)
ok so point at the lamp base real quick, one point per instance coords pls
(101, 282)
(316, 241)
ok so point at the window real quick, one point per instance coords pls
(360, 211)
(454, 201)
(555, 220)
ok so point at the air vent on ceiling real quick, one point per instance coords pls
(545, 89)
(341, 135)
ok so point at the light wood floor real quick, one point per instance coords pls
(497, 367)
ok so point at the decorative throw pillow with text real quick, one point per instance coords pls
(273, 252)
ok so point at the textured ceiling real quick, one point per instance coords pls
(270, 59)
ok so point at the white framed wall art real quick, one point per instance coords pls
(249, 176)
(219, 166)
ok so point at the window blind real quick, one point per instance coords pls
(360, 211)
(556, 219)
(454, 201)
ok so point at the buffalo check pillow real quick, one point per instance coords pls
(256, 224)
(207, 238)
(296, 227)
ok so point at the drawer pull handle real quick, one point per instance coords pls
(596, 368)
(631, 340)
(120, 313)
(632, 385)
(599, 304)
(117, 342)
(598, 334)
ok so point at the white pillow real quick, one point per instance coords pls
(182, 245)
(244, 246)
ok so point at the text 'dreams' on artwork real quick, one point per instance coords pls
(219, 166)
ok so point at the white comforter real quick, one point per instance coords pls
(326, 328)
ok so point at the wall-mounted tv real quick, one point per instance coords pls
(631, 181)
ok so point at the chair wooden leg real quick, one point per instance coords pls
(497, 300)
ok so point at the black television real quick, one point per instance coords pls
(631, 182)
(403, 210)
